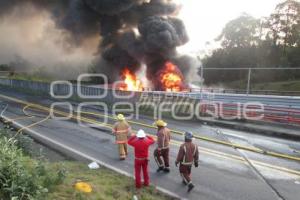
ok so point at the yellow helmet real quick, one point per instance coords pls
(160, 123)
(120, 117)
(83, 187)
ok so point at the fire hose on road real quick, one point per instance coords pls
(255, 150)
(206, 150)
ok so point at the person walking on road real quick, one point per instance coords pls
(122, 131)
(187, 156)
(141, 144)
(162, 150)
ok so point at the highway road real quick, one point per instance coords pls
(225, 173)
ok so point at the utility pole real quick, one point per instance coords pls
(201, 73)
(249, 80)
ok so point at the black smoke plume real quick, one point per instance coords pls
(132, 31)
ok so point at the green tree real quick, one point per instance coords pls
(240, 32)
(284, 24)
(272, 41)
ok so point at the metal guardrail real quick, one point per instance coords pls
(282, 109)
(254, 92)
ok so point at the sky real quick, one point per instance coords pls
(205, 19)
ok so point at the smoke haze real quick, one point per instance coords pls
(112, 34)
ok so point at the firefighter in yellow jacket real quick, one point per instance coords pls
(163, 143)
(122, 131)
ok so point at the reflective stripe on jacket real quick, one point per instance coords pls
(121, 130)
(163, 138)
(188, 153)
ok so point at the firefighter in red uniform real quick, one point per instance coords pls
(162, 150)
(141, 144)
(187, 156)
(122, 131)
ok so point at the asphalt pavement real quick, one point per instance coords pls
(224, 172)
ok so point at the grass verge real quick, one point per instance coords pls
(276, 86)
(106, 185)
(31, 77)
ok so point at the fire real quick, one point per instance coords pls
(131, 82)
(171, 78)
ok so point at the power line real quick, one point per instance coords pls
(247, 68)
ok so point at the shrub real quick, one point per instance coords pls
(23, 142)
(22, 177)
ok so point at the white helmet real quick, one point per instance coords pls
(141, 134)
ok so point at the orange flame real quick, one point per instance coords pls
(131, 82)
(171, 78)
